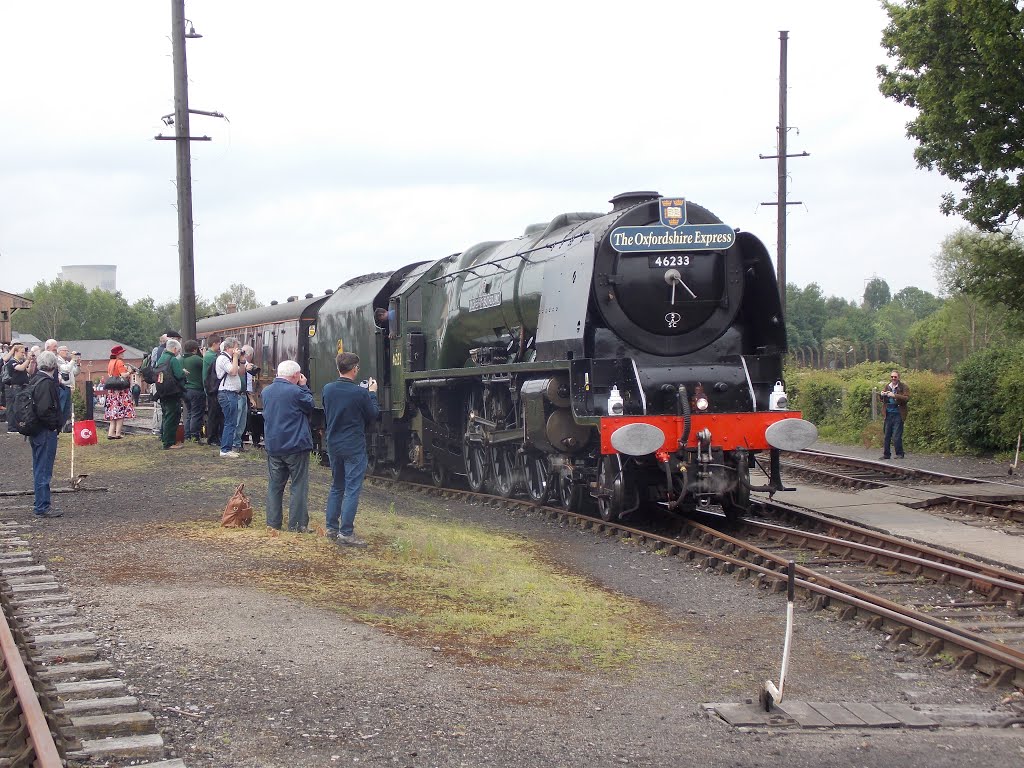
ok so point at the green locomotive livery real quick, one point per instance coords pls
(621, 358)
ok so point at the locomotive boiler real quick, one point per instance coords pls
(617, 358)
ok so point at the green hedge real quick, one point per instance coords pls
(839, 404)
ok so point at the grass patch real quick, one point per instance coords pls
(480, 595)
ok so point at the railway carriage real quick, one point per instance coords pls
(276, 332)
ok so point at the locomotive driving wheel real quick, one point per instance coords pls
(474, 453)
(505, 470)
(537, 469)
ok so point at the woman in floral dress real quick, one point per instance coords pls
(118, 405)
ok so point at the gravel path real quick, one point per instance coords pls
(238, 676)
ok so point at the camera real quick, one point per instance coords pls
(257, 371)
(365, 383)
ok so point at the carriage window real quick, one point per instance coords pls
(266, 346)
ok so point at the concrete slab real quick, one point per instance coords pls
(881, 509)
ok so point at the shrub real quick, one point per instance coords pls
(78, 403)
(975, 402)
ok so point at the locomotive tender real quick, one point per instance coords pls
(627, 357)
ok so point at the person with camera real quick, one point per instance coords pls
(67, 370)
(287, 405)
(894, 397)
(229, 389)
(16, 376)
(349, 410)
(246, 372)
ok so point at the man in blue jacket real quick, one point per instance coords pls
(349, 409)
(287, 404)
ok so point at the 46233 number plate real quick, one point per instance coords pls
(668, 260)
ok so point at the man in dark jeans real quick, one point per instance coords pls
(287, 404)
(349, 410)
(894, 397)
(214, 414)
(44, 443)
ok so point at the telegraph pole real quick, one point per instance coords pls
(182, 139)
(183, 164)
(781, 201)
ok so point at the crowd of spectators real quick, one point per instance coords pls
(215, 389)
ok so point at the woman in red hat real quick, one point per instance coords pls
(118, 405)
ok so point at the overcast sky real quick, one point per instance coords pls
(365, 136)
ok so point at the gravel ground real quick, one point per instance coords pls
(269, 681)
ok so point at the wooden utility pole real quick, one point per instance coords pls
(183, 139)
(183, 163)
(781, 201)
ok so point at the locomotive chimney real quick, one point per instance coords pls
(232, 307)
(629, 199)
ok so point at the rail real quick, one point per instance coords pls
(32, 717)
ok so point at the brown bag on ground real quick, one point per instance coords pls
(238, 512)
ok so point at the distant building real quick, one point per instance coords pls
(25, 338)
(102, 276)
(9, 304)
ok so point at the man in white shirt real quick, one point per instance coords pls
(228, 394)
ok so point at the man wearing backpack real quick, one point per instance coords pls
(211, 383)
(44, 393)
(170, 386)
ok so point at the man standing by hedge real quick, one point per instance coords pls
(894, 396)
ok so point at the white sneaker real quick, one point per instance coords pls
(228, 455)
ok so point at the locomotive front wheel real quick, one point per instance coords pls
(570, 494)
(439, 474)
(610, 490)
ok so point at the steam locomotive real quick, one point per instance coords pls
(618, 359)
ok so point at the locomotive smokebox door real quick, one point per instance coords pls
(416, 351)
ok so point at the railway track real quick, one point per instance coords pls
(851, 472)
(922, 616)
(61, 704)
(1000, 509)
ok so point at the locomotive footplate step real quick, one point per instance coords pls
(793, 713)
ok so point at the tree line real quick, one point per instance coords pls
(914, 327)
(66, 310)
